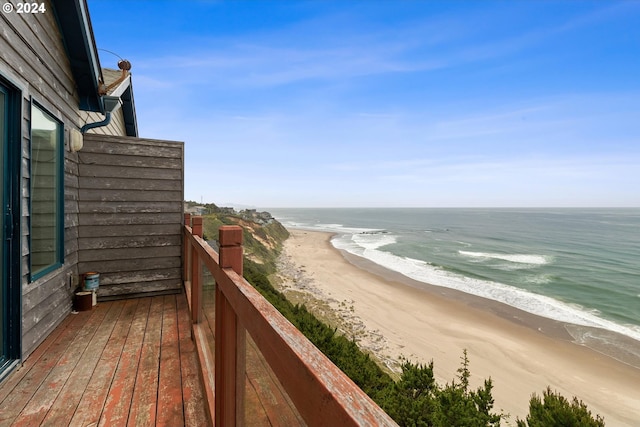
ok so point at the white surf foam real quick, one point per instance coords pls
(364, 245)
(331, 228)
(527, 301)
(539, 279)
(517, 258)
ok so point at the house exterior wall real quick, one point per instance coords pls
(122, 196)
(33, 58)
(130, 214)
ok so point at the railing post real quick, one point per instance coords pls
(230, 239)
(230, 339)
(196, 275)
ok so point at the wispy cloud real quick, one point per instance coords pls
(411, 102)
(282, 56)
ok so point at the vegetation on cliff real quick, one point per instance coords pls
(416, 399)
(262, 237)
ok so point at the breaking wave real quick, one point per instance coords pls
(517, 258)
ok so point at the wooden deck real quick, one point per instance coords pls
(128, 362)
(135, 362)
(131, 363)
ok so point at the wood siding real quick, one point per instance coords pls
(130, 214)
(33, 58)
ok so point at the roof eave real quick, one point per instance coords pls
(129, 111)
(77, 34)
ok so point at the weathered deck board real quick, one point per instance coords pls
(144, 402)
(72, 393)
(130, 362)
(19, 394)
(41, 351)
(116, 409)
(192, 392)
(38, 406)
(97, 390)
(104, 367)
(170, 410)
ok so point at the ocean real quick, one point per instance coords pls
(577, 266)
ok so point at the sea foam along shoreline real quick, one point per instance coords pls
(398, 318)
(620, 341)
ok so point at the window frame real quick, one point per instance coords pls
(58, 261)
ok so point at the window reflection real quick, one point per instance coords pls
(46, 192)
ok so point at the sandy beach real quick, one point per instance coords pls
(395, 317)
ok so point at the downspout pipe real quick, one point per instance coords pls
(111, 104)
(105, 122)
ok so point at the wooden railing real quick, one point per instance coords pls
(320, 391)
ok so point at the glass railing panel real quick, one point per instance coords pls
(266, 401)
(208, 304)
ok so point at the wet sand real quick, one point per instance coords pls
(395, 317)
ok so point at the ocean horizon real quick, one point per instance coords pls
(574, 265)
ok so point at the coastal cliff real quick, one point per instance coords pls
(263, 235)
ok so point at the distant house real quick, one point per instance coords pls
(195, 210)
(80, 192)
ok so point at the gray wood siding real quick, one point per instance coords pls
(32, 57)
(130, 214)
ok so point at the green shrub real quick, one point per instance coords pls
(554, 410)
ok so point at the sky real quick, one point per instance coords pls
(386, 103)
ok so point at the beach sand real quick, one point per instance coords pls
(392, 316)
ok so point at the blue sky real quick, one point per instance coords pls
(388, 103)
